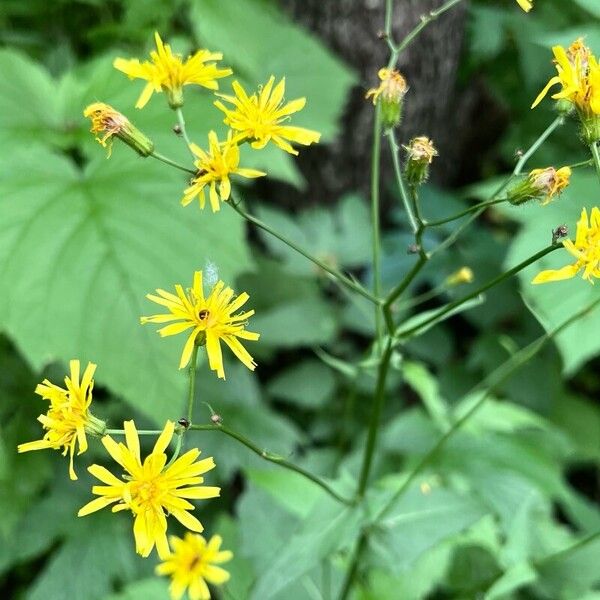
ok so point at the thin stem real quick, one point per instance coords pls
(493, 282)
(375, 419)
(596, 156)
(333, 272)
(375, 235)
(192, 383)
(351, 572)
(171, 163)
(139, 431)
(475, 207)
(570, 549)
(456, 233)
(394, 149)
(397, 291)
(184, 133)
(274, 458)
(534, 147)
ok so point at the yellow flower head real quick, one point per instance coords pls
(215, 166)
(463, 275)
(392, 88)
(526, 5)
(68, 418)
(550, 182)
(167, 72)
(211, 320)
(586, 251)
(150, 489)
(259, 117)
(579, 78)
(105, 119)
(192, 563)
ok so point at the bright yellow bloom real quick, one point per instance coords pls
(192, 563)
(586, 251)
(526, 5)
(105, 119)
(167, 72)
(258, 117)
(392, 88)
(579, 78)
(211, 320)
(463, 275)
(68, 418)
(216, 165)
(151, 490)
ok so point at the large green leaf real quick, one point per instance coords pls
(552, 303)
(78, 252)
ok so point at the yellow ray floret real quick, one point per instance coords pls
(68, 418)
(192, 563)
(214, 167)
(166, 71)
(578, 74)
(526, 5)
(211, 319)
(586, 251)
(259, 118)
(151, 490)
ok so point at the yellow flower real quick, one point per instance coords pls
(221, 160)
(526, 5)
(463, 275)
(105, 119)
(258, 117)
(68, 418)
(586, 251)
(151, 490)
(578, 76)
(550, 181)
(192, 563)
(211, 320)
(392, 88)
(168, 72)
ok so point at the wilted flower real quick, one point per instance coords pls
(211, 320)
(167, 72)
(586, 251)
(540, 184)
(215, 166)
(390, 94)
(258, 118)
(110, 122)
(68, 419)
(151, 490)
(192, 563)
(419, 155)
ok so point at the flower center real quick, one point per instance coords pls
(203, 314)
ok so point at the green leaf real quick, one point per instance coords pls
(591, 6)
(308, 384)
(422, 381)
(153, 588)
(554, 302)
(79, 252)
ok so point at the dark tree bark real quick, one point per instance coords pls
(352, 30)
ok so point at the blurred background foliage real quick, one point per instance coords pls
(83, 238)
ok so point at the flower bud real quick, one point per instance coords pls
(105, 119)
(390, 96)
(590, 128)
(541, 184)
(419, 155)
(463, 275)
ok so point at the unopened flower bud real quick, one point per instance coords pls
(110, 122)
(541, 184)
(390, 96)
(419, 155)
(463, 275)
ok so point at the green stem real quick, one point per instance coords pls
(534, 147)
(596, 157)
(395, 149)
(192, 383)
(491, 382)
(171, 163)
(375, 419)
(333, 272)
(274, 458)
(184, 133)
(456, 233)
(397, 291)
(499, 279)
(376, 242)
(475, 207)
(139, 431)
